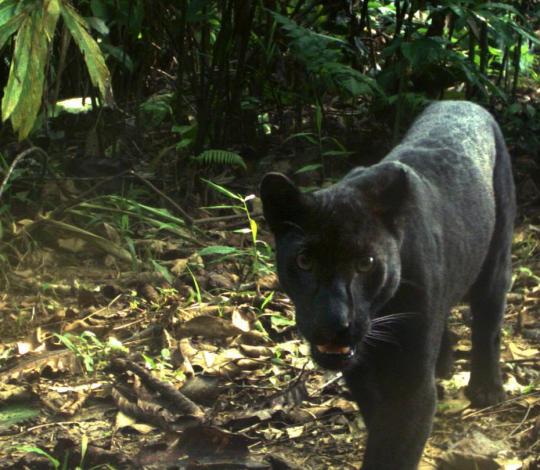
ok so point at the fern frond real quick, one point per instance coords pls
(220, 157)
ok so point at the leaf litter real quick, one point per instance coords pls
(198, 365)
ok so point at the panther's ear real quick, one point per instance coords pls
(283, 203)
(387, 190)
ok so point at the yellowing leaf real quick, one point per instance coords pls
(18, 69)
(97, 69)
(254, 229)
(23, 93)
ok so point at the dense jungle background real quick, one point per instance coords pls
(141, 322)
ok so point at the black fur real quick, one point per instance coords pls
(374, 264)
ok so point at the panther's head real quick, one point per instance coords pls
(338, 254)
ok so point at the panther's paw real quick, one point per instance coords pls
(482, 395)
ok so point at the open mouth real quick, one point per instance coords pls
(334, 349)
(333, 356)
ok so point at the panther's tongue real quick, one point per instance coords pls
(333, 349)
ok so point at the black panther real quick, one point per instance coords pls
(375, 262)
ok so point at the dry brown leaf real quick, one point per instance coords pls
(209, 327)
(112, 233)
(268, 282)
(73, 245)
(14, 392)
(256, 351)
(179, 266)
(56, 361)
(123, 421)
(240, 320)
(294, 431)
(520, 352)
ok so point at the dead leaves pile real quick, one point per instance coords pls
(132, 371)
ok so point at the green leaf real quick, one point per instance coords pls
(219, 250)
(9, 28)
(12, 414)
(18, 69)
(267, 300)
(120, 55)
(279, 320)
(23, 93)
(308, 168)
(36, 450)
(303, 135)
(222, 157)
(100, 9)
(337, 153)
(163, 271)
(97, 69)
(98, 24)
(254, 229)
(7, 10)
(222, 190)
(423, 51)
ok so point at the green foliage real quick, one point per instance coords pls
(89, 349)
(220, 157)
(15, 413)
(155, 110)
(34, 23)
(259, 252)
(95, 63)
(36, 450)
(522, 127)
(323, 58)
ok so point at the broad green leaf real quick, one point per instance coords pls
(18, 69)
(9, 28)
(98, 24)
(219, 250)
(52, 12)
(7, 10)
(121, 56)
(97, 69)
(29, 103)
(23, 93)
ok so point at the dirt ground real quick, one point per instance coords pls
(107, 365)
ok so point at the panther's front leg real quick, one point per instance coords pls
(398, 413)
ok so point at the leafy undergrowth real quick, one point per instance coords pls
(193, 362)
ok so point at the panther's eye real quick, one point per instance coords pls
(365, 264)
(304, 261)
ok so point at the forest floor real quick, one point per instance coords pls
(105, 364)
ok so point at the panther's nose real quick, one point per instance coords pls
(332, 333)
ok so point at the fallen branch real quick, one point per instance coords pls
(178, 400)
(16, 161)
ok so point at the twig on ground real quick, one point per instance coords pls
(16, 161)
(184, 214)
